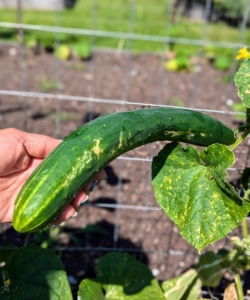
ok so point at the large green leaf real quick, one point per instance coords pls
(186, 286)
(6, 253)
(90, 289)
(192, 190)
(122, 278)
(36, 273)
(4, 295)
(242, 81)
(209, 268)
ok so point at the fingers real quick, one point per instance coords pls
(101, 175)
(66, 214)
(80, 199)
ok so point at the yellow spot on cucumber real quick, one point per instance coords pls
(97, 149)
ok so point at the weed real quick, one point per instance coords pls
(48, 84)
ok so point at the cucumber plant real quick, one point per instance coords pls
(190, 186)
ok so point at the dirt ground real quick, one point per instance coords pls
(149, 235)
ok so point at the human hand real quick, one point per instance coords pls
(20, 154)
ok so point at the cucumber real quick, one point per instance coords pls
(75, 161)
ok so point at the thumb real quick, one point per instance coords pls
(39, 146)
(19, 147)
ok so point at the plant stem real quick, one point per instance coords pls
(238, 286)
(239, 139)
(244, 228)
(26, 239)
(248, 115)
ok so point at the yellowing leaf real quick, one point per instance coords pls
(171, 65)
(231, 292)
(63, 52)
(242, 81)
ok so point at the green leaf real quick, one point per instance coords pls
(36, 273)
(83, 50)
(243, 245)
(242, 81)
(245, 182)
(209, 269)
(245, 179)
(192, 190)
(4, 295)
(90, 289)
(6, 253)
(123, 278)
(184, 287)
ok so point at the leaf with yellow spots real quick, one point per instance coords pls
(242, 81)
(193, 191)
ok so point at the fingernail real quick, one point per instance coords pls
(105, 177)
(93, 185)
(84, 201)
(74, 215)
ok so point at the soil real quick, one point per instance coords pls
(148, 235)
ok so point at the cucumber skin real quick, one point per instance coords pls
(75, 161)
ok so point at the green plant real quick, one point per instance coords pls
(47, 237)
(240, 108)
(222, 62)
(118, 276)
(33, 273)
(150, 19)
(48, 84)
(79, 66)
(230, 8)
(66, 116)
(180, 63)
(58, 181)
(177, 101)
(82, 50)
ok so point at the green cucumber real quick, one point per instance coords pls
(75, 161)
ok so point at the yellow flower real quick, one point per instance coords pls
(243, 53)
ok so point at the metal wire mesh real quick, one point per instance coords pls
(156, 236)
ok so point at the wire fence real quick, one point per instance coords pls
(138, 225)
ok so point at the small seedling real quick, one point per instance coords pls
(48, 84)
(82, 50)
